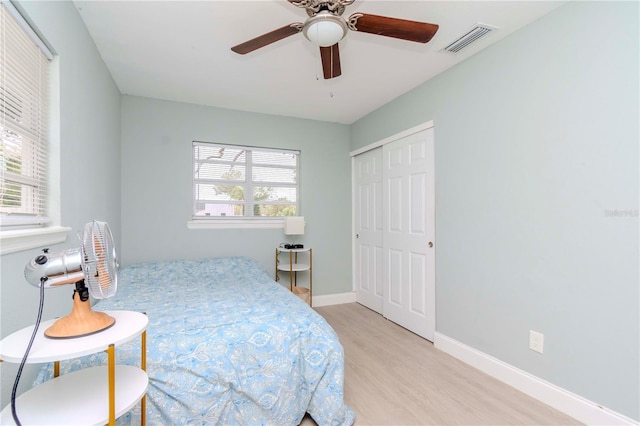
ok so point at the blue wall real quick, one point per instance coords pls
(87, 102)
(537, 188)
(157, 186)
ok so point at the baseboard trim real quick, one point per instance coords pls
(573, 405)
(333, 299)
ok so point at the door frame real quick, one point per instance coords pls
(424, 126)
(392, 138)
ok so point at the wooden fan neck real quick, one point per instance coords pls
(82, 321)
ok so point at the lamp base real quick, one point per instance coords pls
(82, 321)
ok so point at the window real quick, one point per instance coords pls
(232, 181)
(24, 124)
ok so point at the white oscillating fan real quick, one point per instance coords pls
(93, 268)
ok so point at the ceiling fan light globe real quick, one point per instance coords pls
(325, 29)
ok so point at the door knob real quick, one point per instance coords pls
(430, 244)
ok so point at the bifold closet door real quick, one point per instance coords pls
(367, 185)
(408, 255)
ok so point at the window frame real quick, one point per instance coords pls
(17, 234)
(216, 222)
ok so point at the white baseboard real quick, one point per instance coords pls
(573, 405)
(333, 299)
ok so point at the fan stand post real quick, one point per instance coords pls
(82, 320)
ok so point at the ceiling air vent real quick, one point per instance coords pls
(474, 34)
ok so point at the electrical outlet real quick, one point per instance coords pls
(536, 341)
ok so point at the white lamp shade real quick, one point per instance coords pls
(325, 33)
(325, 29)
(294, 225)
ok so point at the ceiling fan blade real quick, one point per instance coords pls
(420, 32)
(330, 61)
(268, 38)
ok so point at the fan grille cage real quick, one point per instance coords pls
(99, 257)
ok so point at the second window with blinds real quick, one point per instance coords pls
(231, 181)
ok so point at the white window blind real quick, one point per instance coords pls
(24, 107)
(236, 181)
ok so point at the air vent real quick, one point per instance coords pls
(474, 34)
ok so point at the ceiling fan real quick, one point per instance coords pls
(326, 27)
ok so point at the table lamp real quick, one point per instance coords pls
(294, 225)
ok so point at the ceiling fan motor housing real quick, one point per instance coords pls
(314, 6)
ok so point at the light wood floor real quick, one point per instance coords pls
(394, 377)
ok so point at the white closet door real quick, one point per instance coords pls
(408, 257)
(367, 184)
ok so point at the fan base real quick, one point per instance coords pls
(82, 321)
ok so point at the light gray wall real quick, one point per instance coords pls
(537, 197)
(89, 173)
(157, 186)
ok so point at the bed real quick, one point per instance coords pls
(226, 345)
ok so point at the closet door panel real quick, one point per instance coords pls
(367, 182)
(408, 256)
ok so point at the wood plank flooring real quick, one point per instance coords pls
(394, 377)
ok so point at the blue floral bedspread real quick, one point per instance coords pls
(226, 345)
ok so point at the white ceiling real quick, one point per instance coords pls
(180, 51)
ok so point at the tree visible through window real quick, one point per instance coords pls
(236, 181)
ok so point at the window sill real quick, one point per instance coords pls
(25, 239)
(235, 223)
